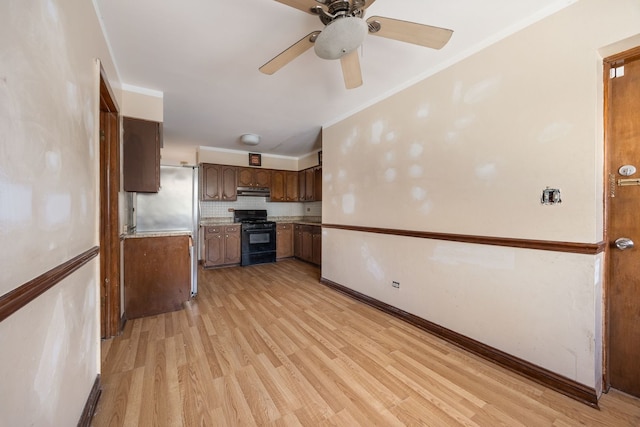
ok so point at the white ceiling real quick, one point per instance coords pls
(204, 56)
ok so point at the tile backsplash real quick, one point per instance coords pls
(221, 209)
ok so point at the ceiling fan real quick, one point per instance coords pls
(345, 30)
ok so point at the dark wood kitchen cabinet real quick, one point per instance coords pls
(308, 243)
(310, 184)
(141, 155)
(284, 186)
(221, 245)
(219, 182)
(317, 183)
(284, 241)
(254, 177)
(157, 274)
(316, 245)
(232, 246)
(297, 241)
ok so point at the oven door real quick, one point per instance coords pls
(258, 245)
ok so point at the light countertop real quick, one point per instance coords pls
(156, 234)
(311, 220)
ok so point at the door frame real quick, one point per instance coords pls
(609, 63)
(110, 267)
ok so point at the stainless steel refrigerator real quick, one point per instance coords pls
(172, 209)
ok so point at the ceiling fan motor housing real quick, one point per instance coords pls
(340, 37)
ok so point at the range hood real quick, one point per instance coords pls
(254, 191)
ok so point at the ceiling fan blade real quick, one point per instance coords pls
(289, 54)
(368, 3)
(351, 70)
(303, 5)
(409, 32)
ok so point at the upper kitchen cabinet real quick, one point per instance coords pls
(310, 184)
(141, 155)
(219, 182)
(284, 186)
(254, 177)
(317, 183)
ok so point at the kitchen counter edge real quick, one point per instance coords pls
(156, 234)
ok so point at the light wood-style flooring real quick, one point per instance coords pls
(268, 345)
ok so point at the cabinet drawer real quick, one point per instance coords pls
(212, 230)
(284, 226)
(232, 229)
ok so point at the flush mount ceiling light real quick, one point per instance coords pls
(250, 139)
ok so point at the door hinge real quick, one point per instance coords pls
(616, 72)
(612, 185)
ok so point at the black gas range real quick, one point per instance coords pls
(258, 236)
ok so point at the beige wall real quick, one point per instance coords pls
(469, 151)
(48, 205)
(308, 161)
(178, 155)
(147, 106)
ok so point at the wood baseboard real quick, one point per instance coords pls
(91, 404)
(559, 383)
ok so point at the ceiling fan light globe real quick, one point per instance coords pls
(340, 37)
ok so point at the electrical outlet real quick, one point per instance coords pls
(395, 284)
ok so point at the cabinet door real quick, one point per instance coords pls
(297, 241)
(229, 183)
(262, 177)
(317, 184)
(211, 182)
(141, 155)
(307, 243)
(291, 186)
(309, 184)
(232, 244)
(284, 241)
(245, 177)
(302, 187)
(213, 247)
(316, 237)
(278, 186)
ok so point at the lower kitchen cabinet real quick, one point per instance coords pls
(221, 245)
(308, 243)
(284, 241)
(297, 240)
(157, 274)
(316, 245)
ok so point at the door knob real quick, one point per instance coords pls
(624, 243)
